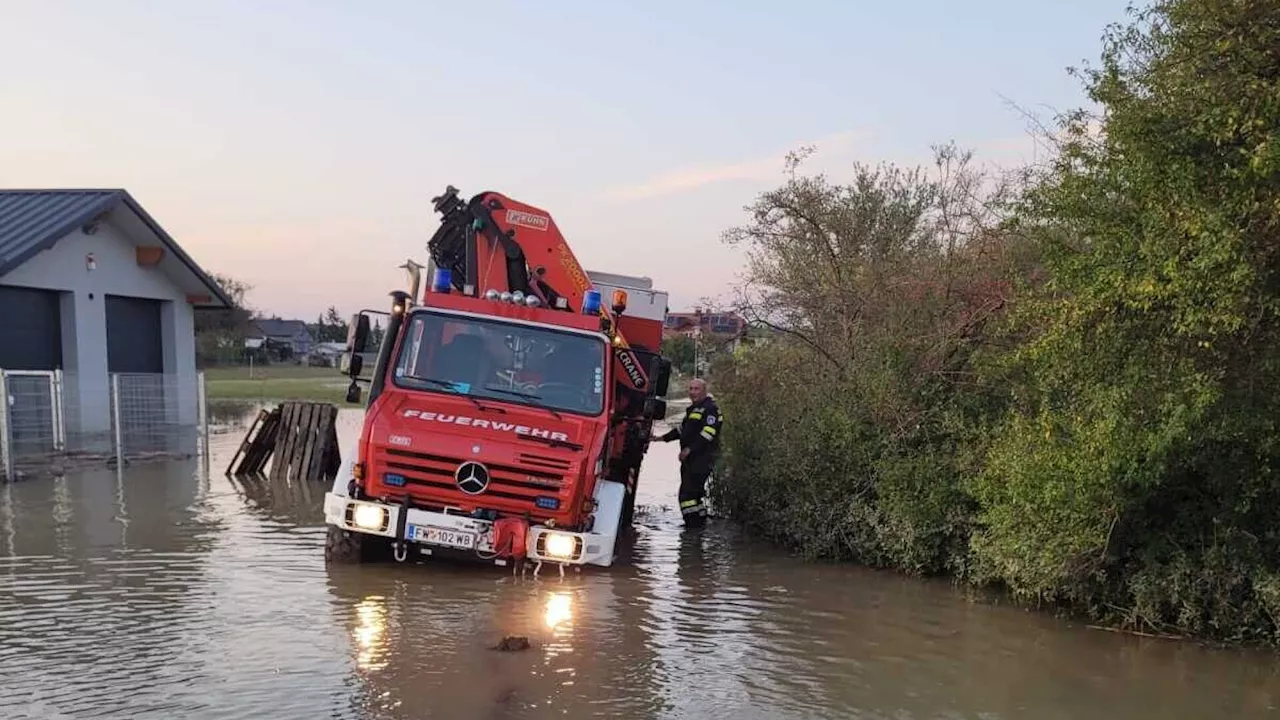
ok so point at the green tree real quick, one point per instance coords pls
(329, 327)
(842, 429)
(220, 333)
(679, 350)
(1135, 473)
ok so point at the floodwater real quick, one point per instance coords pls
(169, 593)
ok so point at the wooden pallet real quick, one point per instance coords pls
(307, 442)
(258, 443)
(300, 439)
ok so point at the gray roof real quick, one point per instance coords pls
(282, 328)
(33, 220)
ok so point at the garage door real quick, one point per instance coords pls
(134, 340)
(32, 329)
(135, 345)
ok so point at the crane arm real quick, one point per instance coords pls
(494, 242)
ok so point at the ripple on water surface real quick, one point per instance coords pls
(165, 593)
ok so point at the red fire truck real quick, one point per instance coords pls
(509, 408)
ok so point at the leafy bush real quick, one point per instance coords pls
(845, 427)
(1133, 476)
(1068, 386)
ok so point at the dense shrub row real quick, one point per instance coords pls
(1064, 382)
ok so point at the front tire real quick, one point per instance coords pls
(628, 510)
(349, 548)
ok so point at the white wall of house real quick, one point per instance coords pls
(84, 323)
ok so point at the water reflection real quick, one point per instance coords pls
(371, 626)
(166, 593)
(284, 503)
(95, 571)
(559, 609)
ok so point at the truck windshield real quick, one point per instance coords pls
(503, 361)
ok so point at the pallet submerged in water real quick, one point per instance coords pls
(299, 438)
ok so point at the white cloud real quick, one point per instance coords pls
(833, 155)
(680, 246)
(758, 169)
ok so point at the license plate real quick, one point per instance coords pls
(443, 536)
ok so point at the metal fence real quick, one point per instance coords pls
(51, 420)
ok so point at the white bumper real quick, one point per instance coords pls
(461, 532)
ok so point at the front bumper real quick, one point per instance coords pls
(462, 533)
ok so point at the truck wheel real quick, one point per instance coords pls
(342, 546)
(628, 510)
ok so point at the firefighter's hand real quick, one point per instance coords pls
(684, 453)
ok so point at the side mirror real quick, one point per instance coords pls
(655, 408)
(352, 364)
(660, 372)
(358, 333)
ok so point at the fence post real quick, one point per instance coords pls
(6, 442)
(203, 412)
(59, 417)
(115, 408)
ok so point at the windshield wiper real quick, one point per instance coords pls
(450, 385)
(553, 442)
(530, 396)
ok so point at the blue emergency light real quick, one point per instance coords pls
(441, 281)
(591, 302)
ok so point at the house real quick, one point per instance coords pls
(292, 334)
(326, 354)
(723, 324)
(92, 286)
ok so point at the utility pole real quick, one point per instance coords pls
(697, 342)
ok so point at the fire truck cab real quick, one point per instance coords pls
(500, 425)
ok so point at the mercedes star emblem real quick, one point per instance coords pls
(472, 478)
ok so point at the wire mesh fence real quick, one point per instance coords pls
(30, 410)
(49, 420)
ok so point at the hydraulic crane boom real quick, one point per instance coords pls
(522, 251)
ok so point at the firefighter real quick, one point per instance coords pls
(699, 445)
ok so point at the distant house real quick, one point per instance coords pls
(292, 334)
(725, 325)
(326, 353)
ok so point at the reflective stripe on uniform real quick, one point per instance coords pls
(687, 503)
(696, 507)
(697, 415)
(708, 433)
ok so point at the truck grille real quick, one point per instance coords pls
(544, 462)
(506, 481)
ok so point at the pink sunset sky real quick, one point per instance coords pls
(296, 146)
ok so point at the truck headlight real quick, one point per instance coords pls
(369, 517)
(559, 545)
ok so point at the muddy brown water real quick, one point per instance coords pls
(168, 593)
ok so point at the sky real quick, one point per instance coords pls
(296, 145)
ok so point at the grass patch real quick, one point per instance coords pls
(276, 382)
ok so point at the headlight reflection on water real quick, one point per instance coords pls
(559, 609)
(370, 631)
(559, 617)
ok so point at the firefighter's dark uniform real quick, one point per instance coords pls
(699, 431)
